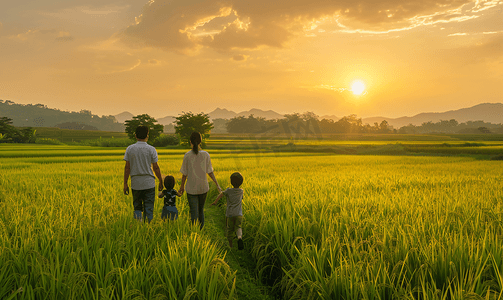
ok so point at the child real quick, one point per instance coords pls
(234, 212)
(169, 194)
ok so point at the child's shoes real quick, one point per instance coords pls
(240, 244)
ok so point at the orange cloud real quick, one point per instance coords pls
(183, 25)
(43, 34)
(240, 57)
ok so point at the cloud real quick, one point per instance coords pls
(188, 25)
(64, 39)
(114, 62)
(488, 49)
(458, 34)
(240, 57)
(42, 34)
(341, 90)
(64, 36)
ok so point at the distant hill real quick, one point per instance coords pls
(266, 114)
(487, 112)
(166, 120)
(329, 117)
(39, 115)
(220, 113)
(123, 116)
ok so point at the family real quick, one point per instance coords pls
(141, 165)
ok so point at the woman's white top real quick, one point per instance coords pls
(195, 167)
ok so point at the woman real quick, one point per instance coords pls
(196, 164)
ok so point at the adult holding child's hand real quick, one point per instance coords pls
(196, 164)
(140, 159)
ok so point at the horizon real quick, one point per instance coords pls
(239, 112)
(389, 59)
(320, 115)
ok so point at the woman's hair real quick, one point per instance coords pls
(195, 139)
(169, 182)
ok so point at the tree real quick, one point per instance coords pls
(154, 129)
(25, 135)
(187, 123)
(9, 133)
(242, 124)
(349, 124)
(6, 129)
(6, 125)
(484, 130)
(384, 127)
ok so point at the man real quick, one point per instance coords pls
(140, 159)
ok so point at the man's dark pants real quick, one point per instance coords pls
(143, 201)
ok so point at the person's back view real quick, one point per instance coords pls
(140, 158)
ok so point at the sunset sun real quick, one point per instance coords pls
(358, 87)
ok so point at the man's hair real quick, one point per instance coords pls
(169, 182)
(236, 179)
(141, 132)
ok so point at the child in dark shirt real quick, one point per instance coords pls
(234, 212)
(169, 194)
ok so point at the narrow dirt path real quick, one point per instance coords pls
(247, 286)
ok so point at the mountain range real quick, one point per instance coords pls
(487, 112)
(39, 115)
(219, 113)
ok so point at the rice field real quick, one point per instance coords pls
(318, 225)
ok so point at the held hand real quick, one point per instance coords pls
(126, 189)
(219, 189)
(160, 186)
(180, 191)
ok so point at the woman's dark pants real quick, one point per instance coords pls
(196, 203)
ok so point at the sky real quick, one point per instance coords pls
(388, 58)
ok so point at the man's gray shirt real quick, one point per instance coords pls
(141, 156)
(234, 201)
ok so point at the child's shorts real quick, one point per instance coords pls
(169, 212)
(233, 224)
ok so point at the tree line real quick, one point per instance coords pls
(302, 123)
(452, 126)
(310, 122)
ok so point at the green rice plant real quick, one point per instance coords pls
(319, 226)
(385, 225)
(67, 232)
(108, 142)
(48, 141)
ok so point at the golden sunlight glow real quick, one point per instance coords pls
(358, 87)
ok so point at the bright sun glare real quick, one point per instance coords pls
(358, 87)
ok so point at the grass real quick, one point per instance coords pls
(317, 226)
(69, 135)
(67, 233)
